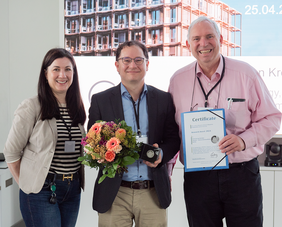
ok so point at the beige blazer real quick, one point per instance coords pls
(33, 141)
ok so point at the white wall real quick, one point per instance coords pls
(28, 29)
(4, 72)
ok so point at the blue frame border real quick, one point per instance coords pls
(184, 144)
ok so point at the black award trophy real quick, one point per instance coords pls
(149, 153)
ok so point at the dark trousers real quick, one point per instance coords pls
(233, 193)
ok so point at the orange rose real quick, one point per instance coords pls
(110, 156)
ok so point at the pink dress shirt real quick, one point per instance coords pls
(255, 120)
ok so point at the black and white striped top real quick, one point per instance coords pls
(66, 162)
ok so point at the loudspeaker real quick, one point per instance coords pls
(273, 152)
(2, 158)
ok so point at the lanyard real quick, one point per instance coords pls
(68, 128)
(137, 114)
(207, 95)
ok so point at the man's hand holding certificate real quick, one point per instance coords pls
(201, 132)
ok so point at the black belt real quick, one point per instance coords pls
(62, 177)
(234, 165)
(138, 184)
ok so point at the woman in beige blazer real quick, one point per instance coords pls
(44, 143)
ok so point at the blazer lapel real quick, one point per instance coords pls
(116, 103)
(152, 113)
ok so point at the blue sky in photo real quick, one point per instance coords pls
(261, 26)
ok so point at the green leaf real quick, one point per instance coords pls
(135, 156)
(105, 170)
(127, 160)
(85, 163)
(96, 155)
(101, 179)
(111, 171)
(115, 166)
(112, 174)
(81, 158)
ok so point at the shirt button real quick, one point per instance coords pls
(209, 83)
(140, 162)
(140, 176)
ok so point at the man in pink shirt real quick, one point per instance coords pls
(251, 120)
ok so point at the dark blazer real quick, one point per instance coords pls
(163, 130)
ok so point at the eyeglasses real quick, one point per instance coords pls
(128, 60)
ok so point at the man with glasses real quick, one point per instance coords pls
(143, 193)
(214, 81)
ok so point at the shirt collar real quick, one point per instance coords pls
(217, 73)
(125, 93)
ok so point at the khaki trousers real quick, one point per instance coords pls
(140, 205)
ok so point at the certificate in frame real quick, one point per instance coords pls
(201, 132)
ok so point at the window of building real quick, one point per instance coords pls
(104, 5)
(155, 17)
(120, 21)
(186, 17)
(217, 11)
(72, 26)
(173, 15)
(195, 3)
(202, 4)
(155, 52)
(156, 2)
(225, 16)
(138, 3)
(86, 43)
(87, 24)
(119, 38)
(172, 51)
(87, 6)
(173, 35)
(72, 7)
(193, 17)
(104, 23)
(120, 4)
(103, 42)
(139, 36)
(185, 51)
(71, 45)
(187, 2)
(184, 34)
(138, 19)
(155, 36)
(68, 6)
(68, 26)
(224, 50)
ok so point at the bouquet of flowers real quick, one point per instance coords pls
(111, 146)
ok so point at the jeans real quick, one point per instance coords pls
(37, 211)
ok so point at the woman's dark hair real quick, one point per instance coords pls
(48, 102)
(132, 43)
